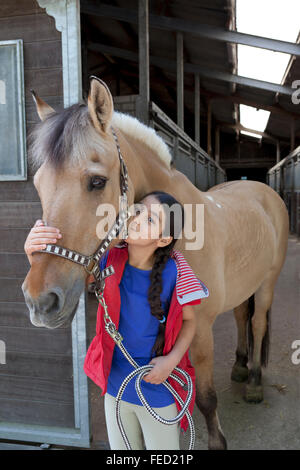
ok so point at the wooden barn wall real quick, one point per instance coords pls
(36, 383)
(125, 104)
(246, 152)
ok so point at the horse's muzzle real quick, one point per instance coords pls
(51, 309)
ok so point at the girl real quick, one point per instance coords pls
(146, 288)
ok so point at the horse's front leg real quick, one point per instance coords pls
(202, 352)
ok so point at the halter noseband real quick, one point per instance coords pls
(91, 263)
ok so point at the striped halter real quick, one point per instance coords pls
(91, 263)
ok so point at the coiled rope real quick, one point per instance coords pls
(139, 373)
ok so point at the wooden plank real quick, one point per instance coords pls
(39, 341)
(13, 239)
(144, 71)
(209, 148)
(46, 82)
(30, 28)
(180, 79)
(51, 391)
(10, 290)
(26, 411)
(19, 7)
(14, 314)
(45, 54)
(54, 367)
(19, 214)
(56, 102)
(217, 144)
(22, 191)
(197, 108)
(14, 265)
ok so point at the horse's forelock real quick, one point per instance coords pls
(66, 136)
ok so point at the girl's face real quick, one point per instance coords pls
(147, 225)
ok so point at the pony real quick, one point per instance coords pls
(77, 169)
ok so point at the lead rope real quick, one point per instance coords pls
(139, 373)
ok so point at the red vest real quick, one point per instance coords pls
(98, 359)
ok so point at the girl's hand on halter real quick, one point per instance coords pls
(163, 366)
(39, 236)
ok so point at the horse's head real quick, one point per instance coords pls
(78, 171)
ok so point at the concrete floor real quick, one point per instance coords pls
(274, 423)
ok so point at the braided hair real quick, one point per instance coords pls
(172, 228)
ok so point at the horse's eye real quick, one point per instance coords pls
(97, 182)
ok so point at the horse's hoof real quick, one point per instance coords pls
(239, 373)
(254, 394)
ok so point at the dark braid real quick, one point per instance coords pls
(161, 256)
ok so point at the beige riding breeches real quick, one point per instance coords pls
(142, 430)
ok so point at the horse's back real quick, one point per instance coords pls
(239, 191)
(246, 207)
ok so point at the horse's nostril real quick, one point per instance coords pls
(52, 302)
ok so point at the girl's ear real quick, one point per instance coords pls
(165, 241)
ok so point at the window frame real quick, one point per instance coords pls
(18, 43)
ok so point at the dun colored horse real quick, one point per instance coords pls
(245, 233)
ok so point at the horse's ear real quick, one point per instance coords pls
(43, 109)
(100, 104)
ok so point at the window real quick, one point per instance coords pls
(276, 20)
(12, 112)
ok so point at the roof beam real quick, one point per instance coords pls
(235, 99)
(241, 100)
(240, 80)
(202, 30)
(144, 78)
(243, 128)
(206, 72)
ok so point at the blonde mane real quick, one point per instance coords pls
(131, 126)
(69, 134)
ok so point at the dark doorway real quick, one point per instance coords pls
(257, 174)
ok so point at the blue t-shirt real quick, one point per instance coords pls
(139, 330)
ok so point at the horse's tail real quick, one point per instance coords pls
(265, 346)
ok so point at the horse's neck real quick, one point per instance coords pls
(148, 172)
(146, 169)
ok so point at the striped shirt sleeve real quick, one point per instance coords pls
(190, 289)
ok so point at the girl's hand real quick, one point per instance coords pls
(163, 367)
(39, 236)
